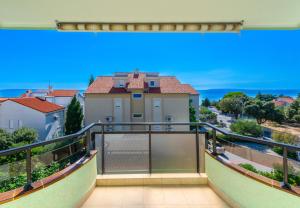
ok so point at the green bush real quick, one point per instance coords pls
(207, 115)
(276, 173)
(296, 118)
(26, 135)
(5, 140)
(247, 128)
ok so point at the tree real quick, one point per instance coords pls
(232, 105)
(207, 115)
(263, 111)
(24, 135)
(247, 128)
(192, 112)
(5, 140)
(74, 117)
(206, 102)
(242, 96)
(265, 97)
(91, 80)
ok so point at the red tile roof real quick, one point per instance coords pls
(63, 93)
(3, 99)
(37, 104)
(283, 101)
(168, 84)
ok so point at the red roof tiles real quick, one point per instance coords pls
(3, 99)
(168, 84)
(63, 93)
(37, 104)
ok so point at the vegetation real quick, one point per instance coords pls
(247, 128)
(277, 173)
(263, 110)
(24, 135)
(18, 138)
(74, 117)
(192, 112)
(292, 112)
(207, 115)
(206, 102)
(233, 103)
(91, 80)
(265, 97)
(285, 138)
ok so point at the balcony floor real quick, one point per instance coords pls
(179, 196)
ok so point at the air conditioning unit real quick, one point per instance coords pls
(169, 118)
(109, 119)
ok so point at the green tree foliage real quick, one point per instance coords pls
(233, 102)
(207, 115)
(5, 140)
(24, 135)
(263, 111)
(292, 111)
(206, 102)
(265, 97)
(74, 117)
(247, 128)
(91, 80)
(192, 112)
(233, 105)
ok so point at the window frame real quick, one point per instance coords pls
(150, 83)
(137, 98)
(141, 115)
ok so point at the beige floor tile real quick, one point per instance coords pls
(154, 197)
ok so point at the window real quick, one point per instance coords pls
(137, 115)
(137, 95)
(152, 83)
(121, 83)
(20, 123)
(11, 124)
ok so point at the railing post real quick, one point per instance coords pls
(150, 149)
(28, 170)
(102, 149)
(285, 169)
(88, 142)
(214, 142)
(197, 148)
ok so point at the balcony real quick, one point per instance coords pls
(145, 167)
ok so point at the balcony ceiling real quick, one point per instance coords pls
(256, 14)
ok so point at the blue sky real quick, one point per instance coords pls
(249, 60)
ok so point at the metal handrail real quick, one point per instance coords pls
(87, 130)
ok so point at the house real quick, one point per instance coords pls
(58, 96)
(283, 101)
(139, 97)
(46, 117)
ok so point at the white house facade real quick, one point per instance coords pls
(45, 117)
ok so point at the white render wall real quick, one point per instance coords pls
(30, 118)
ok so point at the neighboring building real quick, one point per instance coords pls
(283, 101)
(139, 97)
(47, 118)
(59, 97)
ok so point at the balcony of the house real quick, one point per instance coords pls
(162, 165)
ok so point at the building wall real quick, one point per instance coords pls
(54, 123)
(30, 118)
(99, 106)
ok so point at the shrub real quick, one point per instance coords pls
(5, 140)
(26, 135)
(206, 102)
(296, 118)
(207, 115)
(247, 128)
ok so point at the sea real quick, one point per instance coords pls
(211, 94)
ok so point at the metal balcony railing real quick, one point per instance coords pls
(162, 144)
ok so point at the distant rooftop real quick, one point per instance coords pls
(37, 104)
(138, 81)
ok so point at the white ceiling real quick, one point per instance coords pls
(256, 14)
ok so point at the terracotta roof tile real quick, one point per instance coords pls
(168, 84)
(3, 99)
(37, 104)
(63, 93)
